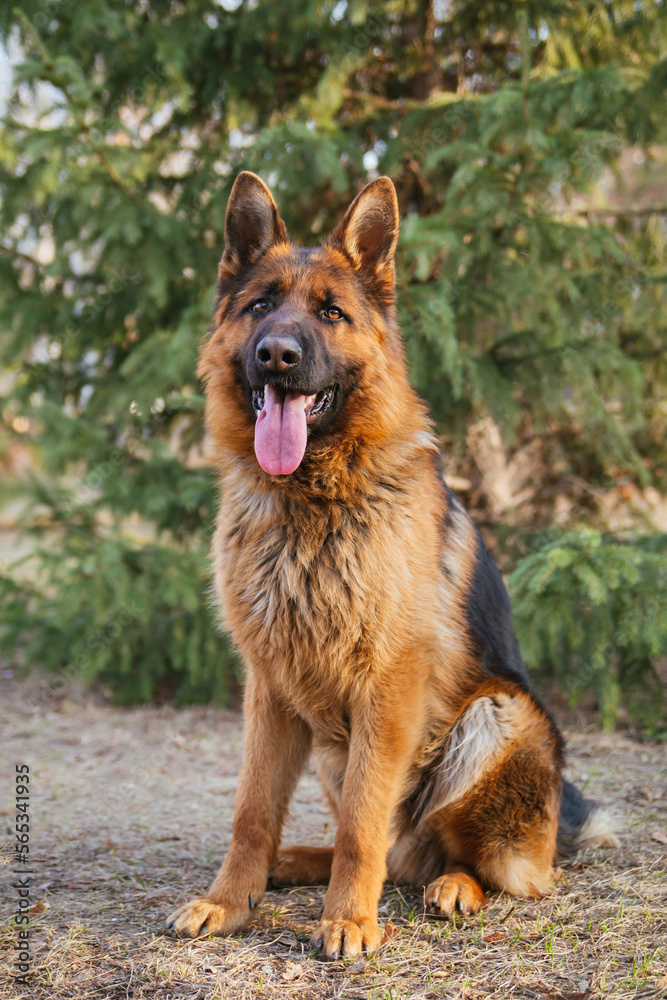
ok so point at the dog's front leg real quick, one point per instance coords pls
(276, 747)
(384, 733)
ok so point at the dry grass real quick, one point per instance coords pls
(131, 813)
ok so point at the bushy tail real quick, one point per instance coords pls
(584, 823)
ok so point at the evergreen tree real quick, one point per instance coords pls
(522, 299)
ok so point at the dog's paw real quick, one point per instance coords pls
(338, 938)
(301, 866)
(201, 916)
(458, 892)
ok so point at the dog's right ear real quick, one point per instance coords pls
(252, 224)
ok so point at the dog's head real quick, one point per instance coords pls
(304, 349)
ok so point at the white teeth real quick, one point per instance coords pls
(313, 405)
(320, 403)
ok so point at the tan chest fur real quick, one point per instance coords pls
(316, 596)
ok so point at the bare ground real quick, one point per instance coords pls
(131, 812)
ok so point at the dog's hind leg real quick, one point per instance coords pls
(302, 865)
(492, 803)
(299, 865)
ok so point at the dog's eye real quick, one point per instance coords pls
(333, 313)
(259, 306)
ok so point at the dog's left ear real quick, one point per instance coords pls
(368, 232)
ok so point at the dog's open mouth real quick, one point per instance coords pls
(314, 406)
(281, 430)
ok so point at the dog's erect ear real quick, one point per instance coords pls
(368, 232)
(252, 224)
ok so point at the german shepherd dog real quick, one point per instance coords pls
(375, 630)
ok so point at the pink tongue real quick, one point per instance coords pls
(281, 432)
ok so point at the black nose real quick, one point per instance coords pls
(277, 353)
